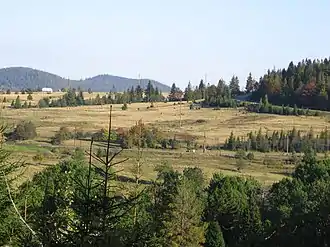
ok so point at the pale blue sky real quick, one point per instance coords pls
(169, 41)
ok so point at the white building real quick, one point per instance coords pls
(47, 90)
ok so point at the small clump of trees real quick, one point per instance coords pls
(17, 103)
(25, 130)
(265, 107)
(280, 141)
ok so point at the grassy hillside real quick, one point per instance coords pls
(215, 124)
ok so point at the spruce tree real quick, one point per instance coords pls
(213, 236)
(189, 94)
(17, 104)
(29, 97)
(234, 86)
(250, 84)
(185, 227)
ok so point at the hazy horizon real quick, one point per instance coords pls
(167, 42)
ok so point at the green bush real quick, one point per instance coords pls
(39, 157)
(25, 130)
(124, 107)
(241, 164)
(62, 135)
(240, 154)
(101, 152)
(250, 156)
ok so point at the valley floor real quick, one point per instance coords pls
(216, 125)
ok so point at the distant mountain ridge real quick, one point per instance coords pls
(18, 78)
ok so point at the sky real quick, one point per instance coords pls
(171, 41)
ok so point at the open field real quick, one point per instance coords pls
(216, 124)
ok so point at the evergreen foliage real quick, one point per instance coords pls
(280, 141)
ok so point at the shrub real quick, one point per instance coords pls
(240, 164)
(174, 144)
(102, 135)
(101, 152)
(42, 103)
(39, 157)
(24, 130)
(29, 97)
(250, 156)
(271, 163)
(78, 154)
(62, 135)
(124, 107)
(240, 154)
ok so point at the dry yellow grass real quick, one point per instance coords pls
(216, 124)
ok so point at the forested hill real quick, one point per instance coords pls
(306, 84)
(17, 78)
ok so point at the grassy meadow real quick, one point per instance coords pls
(216, 125)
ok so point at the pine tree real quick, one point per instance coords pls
(250, 84)
(132, 97)
(97, 100)
(29, 97)
(175, 93)
(213, 236)
(17, 103)
(185, 227)
(149, 92)
(234, 86)
(139, 93)
(189, 94)
(173, 89)
(202, 89)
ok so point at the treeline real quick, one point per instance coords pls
(265, 107)
(222, 95)
(77, 203)
(17, 103)
(76, 98)
(305, 84)
(280, 141)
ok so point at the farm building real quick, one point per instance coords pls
(47, 90)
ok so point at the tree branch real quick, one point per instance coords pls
(18, 213)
